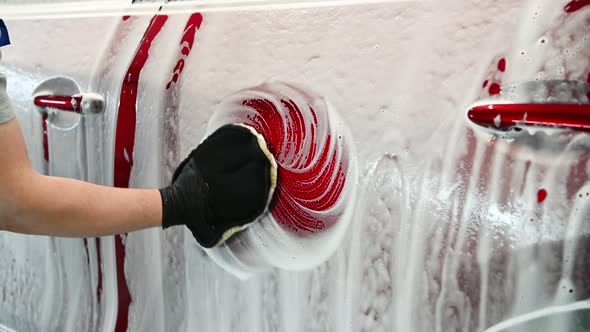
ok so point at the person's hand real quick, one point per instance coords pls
(224, 185)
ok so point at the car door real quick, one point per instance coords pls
(420, 187)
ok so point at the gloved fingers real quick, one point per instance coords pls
(224, 185)
(181, 166)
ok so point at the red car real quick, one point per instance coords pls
(433, 163)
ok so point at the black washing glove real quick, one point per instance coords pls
(222, 186)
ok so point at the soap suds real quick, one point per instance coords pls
(441, 236)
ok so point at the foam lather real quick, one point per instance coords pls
(317, 178)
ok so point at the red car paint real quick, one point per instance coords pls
(306, 186)
(124, 144)
(125, 132)
(188, 38)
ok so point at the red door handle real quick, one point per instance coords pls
(504, 117)
(64, 103)
(557, 104)
(86, 103)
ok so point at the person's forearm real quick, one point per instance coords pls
(65, 207)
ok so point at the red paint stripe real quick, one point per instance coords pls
(99, 263)
(45, 140)
(186, 45)
(124, 145)
(125, 136)
(123, 295)
(170, 126)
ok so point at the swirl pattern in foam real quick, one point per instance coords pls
(317, 179)
(311, 152)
